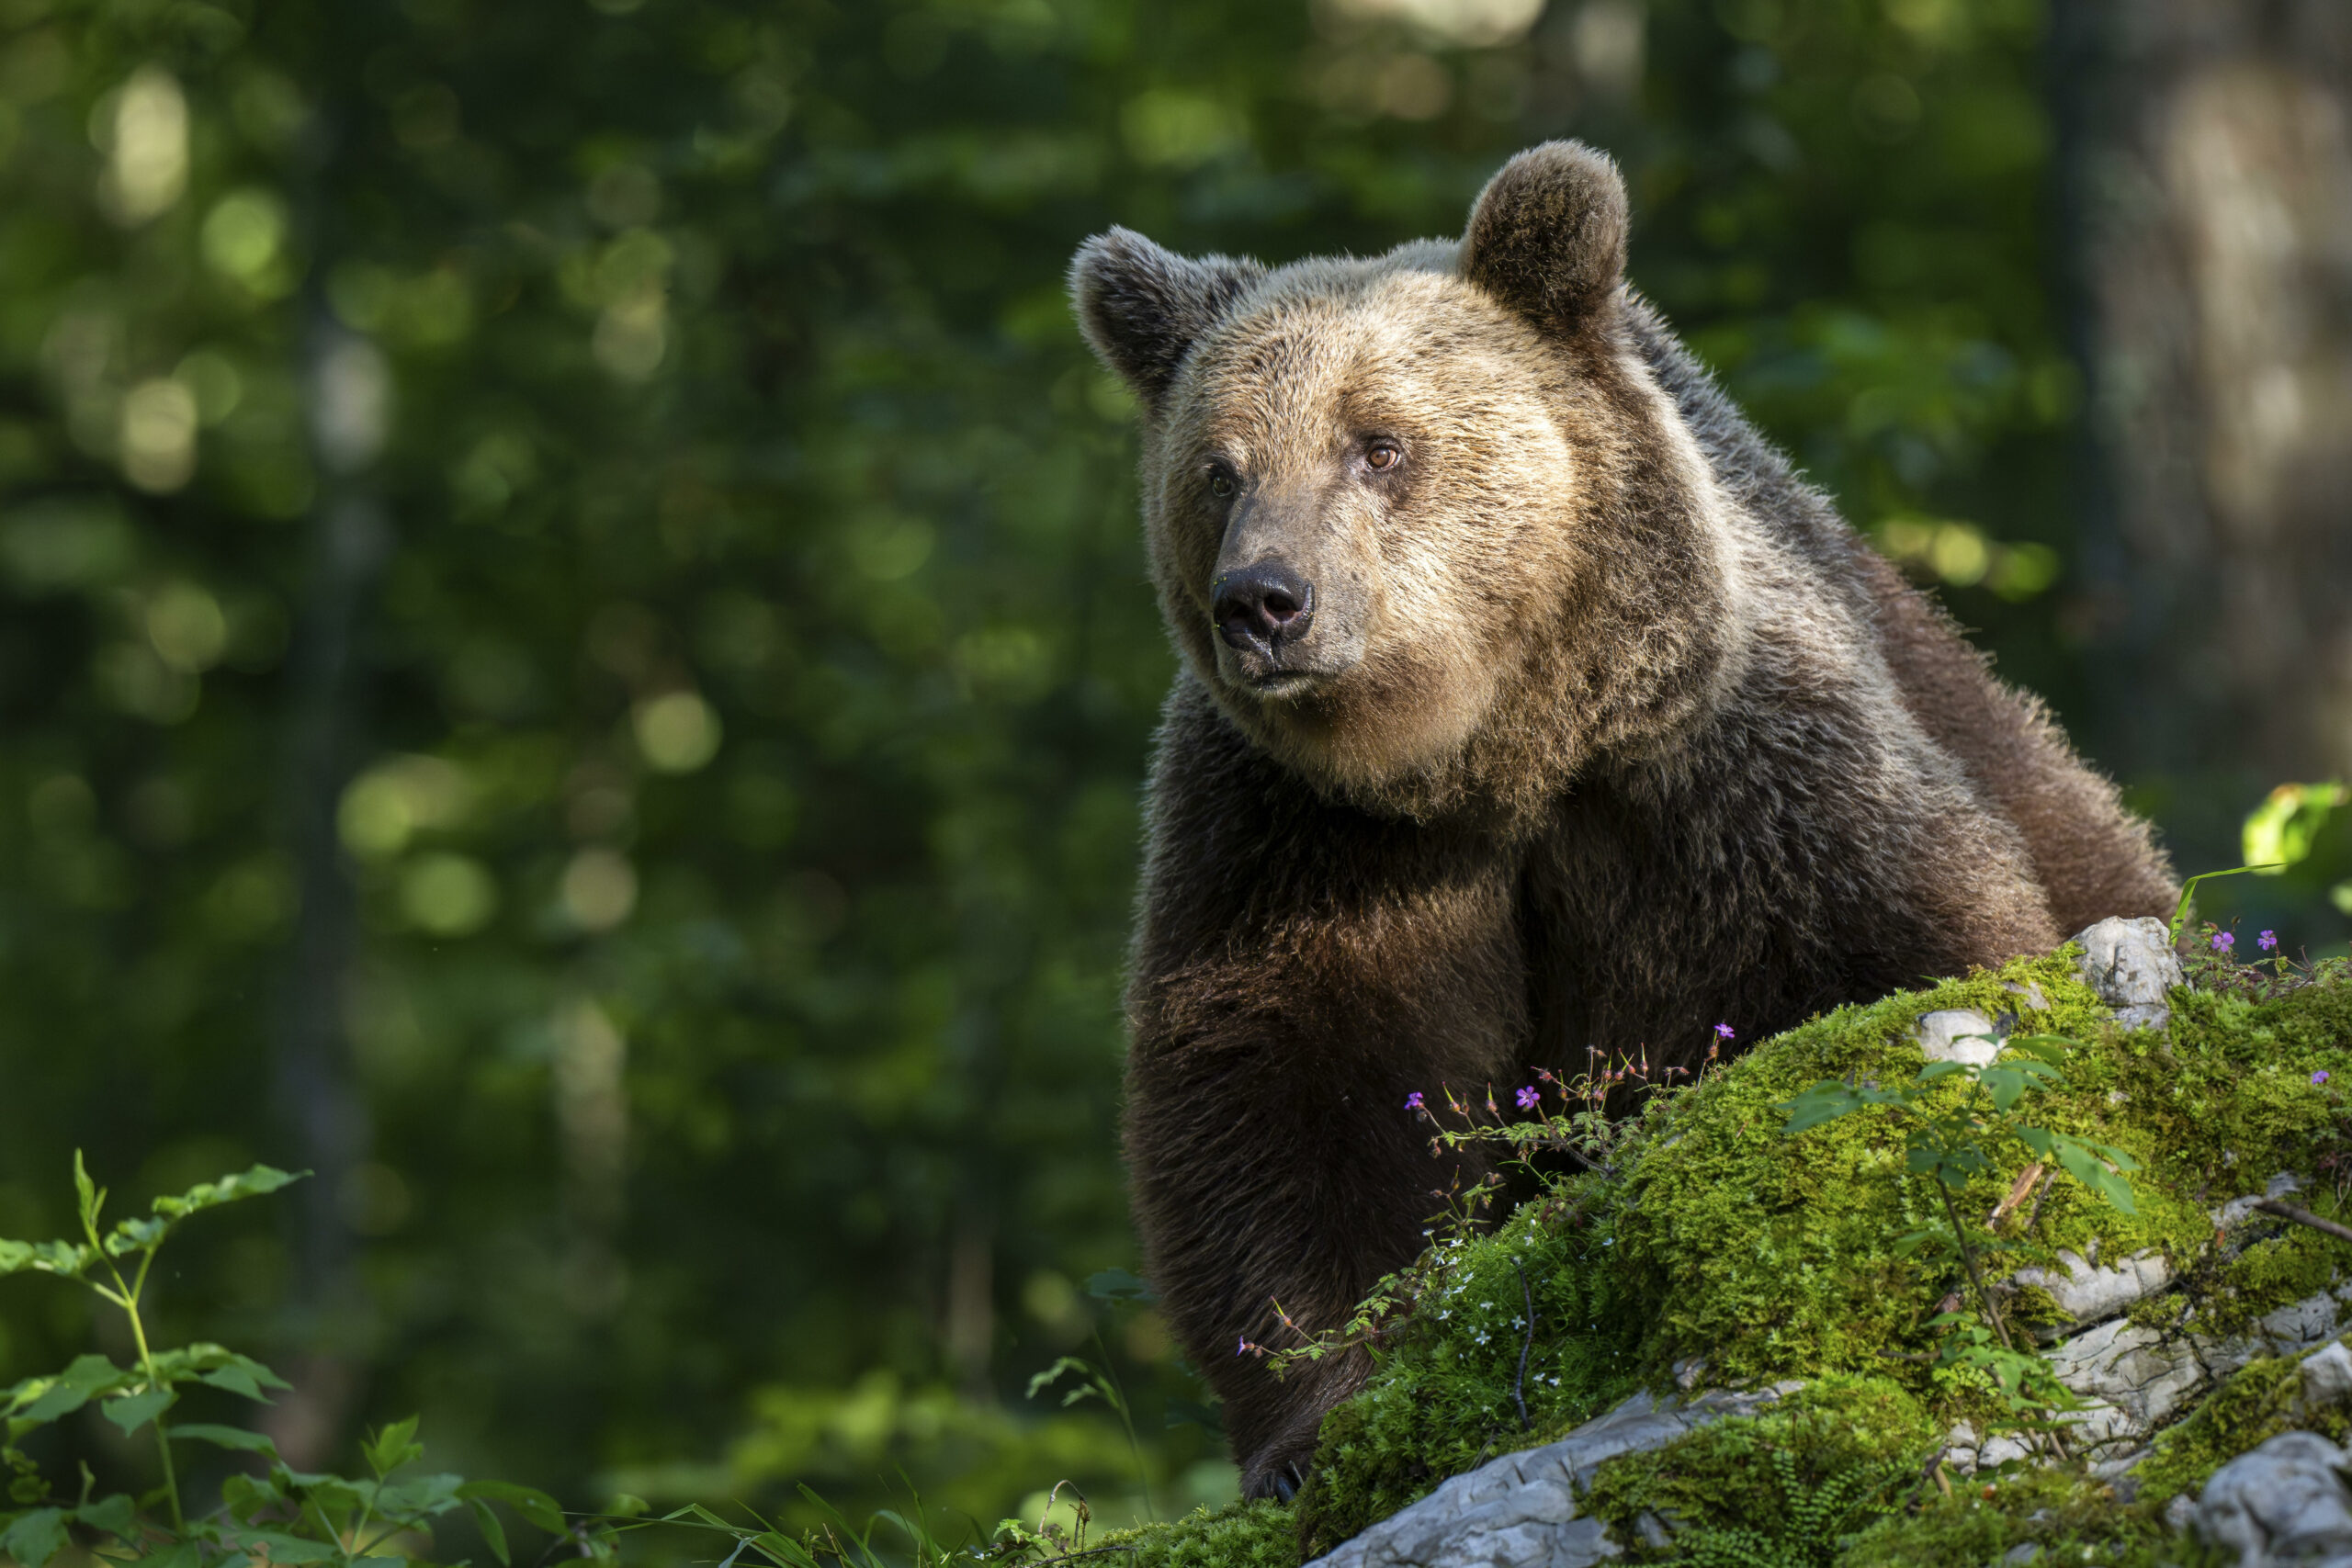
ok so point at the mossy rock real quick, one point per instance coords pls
(1716, 1239)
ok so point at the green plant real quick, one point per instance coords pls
(1957, 1115)
(280, 1516)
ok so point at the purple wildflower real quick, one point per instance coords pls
(1526, 1097)
(2266, 941)
(2223, 941)
(1723, 1032)
(2320, 1076)
(1413, 1100)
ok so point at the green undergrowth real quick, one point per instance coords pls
(2067, 1516)
(1241, 1535)
(1716, 1241)
(1793, 1484)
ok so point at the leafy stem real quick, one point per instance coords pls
(126, 1295)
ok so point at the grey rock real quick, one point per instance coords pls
(2327, 1376)
(2180, 1513)
(2090, 1294)
(2282, 1503)
(1958, 1034)
(2000, 1452)
(1520, 1511)
(2131, 964)
(2021, 1554)
(2134, 1380)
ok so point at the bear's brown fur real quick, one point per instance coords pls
(1529, 702)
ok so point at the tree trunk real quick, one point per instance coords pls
(2207, 158)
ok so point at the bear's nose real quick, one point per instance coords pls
(1261, 605)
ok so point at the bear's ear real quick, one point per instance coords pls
(1547, 235)
(1143, 307)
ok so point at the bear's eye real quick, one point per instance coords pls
(1383, 455)
(1221, 483)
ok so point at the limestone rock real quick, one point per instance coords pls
(2131, 964)
(1520, 1511)
(2283, 1503)
(1959, 1034)
(2090, 1294)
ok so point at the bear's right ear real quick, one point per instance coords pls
(1547, 235)
(1143, 307)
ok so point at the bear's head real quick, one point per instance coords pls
(1424, 524)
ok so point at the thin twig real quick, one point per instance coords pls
(2304, 1217)
(1518, 1388)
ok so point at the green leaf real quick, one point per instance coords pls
(86, 1379)
(2086, 1167)
(421, 1496)
(1825, 1101)
(115, 1515)
(2050, 1049)
(62, 1258)
(92, 1196)
(227, 1438)
(181, 1554)
(242, 1375)
(1046, 1379)
(493, 1532)
(532, 1504)
(245, 1495)
(259, 1182)
(134, 1234)
(392, 1447)
(134, 1411)
(36, 1536)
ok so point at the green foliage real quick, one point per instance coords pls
(2067, 1516)
(1787, 1487)
(1956, 1117)
(281, 1515)
(1241, 1535)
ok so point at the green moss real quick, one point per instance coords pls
(1443, 1398)
(1767, 1257)
(1802, 1476)
(1241, 1535)
(2259, 1401)
(2070, 1518)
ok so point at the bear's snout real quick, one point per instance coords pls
(1263, 607)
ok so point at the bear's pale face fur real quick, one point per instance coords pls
(1515, 581)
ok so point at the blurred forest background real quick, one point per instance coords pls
(575, 656)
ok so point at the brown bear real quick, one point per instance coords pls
(1529, 702)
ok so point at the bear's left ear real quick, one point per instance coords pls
(1143, 307)
(1547, 235)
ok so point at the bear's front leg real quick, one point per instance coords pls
(1301, 968)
